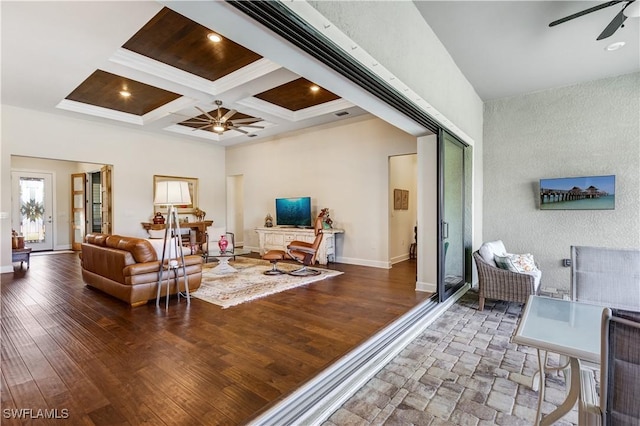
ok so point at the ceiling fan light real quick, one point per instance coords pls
(218, 128)
(615, 46)
(632, 10)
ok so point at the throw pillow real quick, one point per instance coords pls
(504, 262)
(523, 262)
(489, 249)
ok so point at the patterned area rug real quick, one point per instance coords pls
(249, 282)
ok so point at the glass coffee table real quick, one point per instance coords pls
(223, 260)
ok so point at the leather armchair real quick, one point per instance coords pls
(305, 252)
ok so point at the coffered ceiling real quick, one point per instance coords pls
(169, 74)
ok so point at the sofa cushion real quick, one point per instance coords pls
(490, 249)
(138, 247)
(158, 245)
(96, 239)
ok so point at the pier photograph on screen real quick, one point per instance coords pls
(578, 193)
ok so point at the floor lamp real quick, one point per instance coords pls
(169, 194)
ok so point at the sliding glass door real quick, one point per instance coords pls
(452, 212)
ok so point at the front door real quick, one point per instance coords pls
(32, 204)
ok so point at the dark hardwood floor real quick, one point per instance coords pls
(82, 354)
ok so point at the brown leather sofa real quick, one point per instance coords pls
(127, 268)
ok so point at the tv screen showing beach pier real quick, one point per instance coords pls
(579, 193)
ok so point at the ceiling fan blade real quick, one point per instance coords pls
(238, 130)
(247, 120)
(205, 113)
(248, 125)
(613, 25)
(195, 120)
(584, 12)
(228, 115)
(203, 127)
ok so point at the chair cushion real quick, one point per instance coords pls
(490, 249)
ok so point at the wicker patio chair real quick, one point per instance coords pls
(501, 284)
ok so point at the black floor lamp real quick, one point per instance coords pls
(171, 193)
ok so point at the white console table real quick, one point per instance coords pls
(278, 238)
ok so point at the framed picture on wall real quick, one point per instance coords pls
(193, 192)
(400, 199)
(397, 199)
(578, 193)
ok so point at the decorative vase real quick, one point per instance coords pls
(158, 219)
(223, 243)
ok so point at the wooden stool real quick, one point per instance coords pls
(274, 256)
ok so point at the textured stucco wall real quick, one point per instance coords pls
(582, 130)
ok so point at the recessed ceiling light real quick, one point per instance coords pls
(615, 46)
(214, 37)
(314, 88)
(125, 93)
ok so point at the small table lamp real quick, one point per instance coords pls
(171, 193)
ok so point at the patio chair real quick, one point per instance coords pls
(502, 284)
(619, 373)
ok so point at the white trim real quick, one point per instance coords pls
(428, 287)
(97, 111)
(316, 400)
(150, 66)
(364, 262)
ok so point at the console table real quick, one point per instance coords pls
(278, 238)
(200, 229)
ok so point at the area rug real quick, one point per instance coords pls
(249, 283)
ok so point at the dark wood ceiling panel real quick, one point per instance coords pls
(103, 89)
(297, 95)
(178, 41)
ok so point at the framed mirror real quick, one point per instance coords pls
(193, 192)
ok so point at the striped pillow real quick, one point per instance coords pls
(504, 262)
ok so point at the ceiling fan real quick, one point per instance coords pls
(629, 10)
(222, 122)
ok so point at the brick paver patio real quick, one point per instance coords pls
(462, 370)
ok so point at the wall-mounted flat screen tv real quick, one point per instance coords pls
(578, 193)
(293, 211)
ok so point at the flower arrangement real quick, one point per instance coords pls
(324, 214)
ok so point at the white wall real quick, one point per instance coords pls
(587, 129)
(402, 175)
(343, 167)
(135, 155)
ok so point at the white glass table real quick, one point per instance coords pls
(223, 266)
(564, 327)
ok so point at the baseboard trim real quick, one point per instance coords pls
(316, 400)
(364, 262)
(428, 287)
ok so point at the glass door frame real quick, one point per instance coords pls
(443, 293)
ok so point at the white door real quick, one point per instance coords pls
(32, 205)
